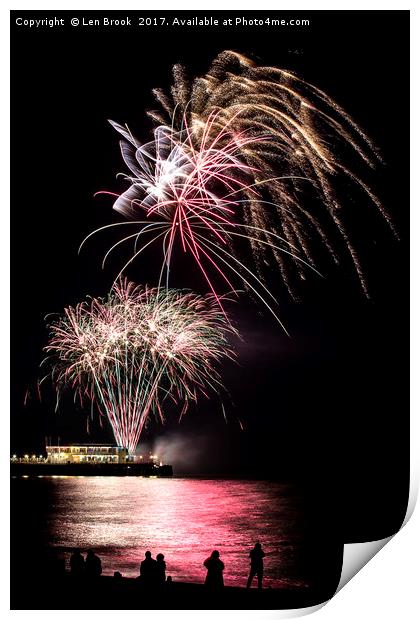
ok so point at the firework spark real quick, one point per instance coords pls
(137, 349)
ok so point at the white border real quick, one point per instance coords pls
(388, 586)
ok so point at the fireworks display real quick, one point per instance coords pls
(248, 169)
(132, 352)
(246, 152)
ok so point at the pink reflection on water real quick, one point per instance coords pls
(184, 519)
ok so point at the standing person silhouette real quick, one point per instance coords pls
(215, 568)
(257, 565)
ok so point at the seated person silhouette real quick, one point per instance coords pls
(148, 570)
(77, 563)
(93, 565)
(160, 569)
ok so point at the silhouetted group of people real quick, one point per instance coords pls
(89, 567)
(153, 571)
(215, 568)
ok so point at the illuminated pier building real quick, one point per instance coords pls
(87, 453)
(88, 459)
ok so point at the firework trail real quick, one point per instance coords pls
(310, 140)
(132, 352)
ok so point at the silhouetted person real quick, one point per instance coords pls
(148, 570)
(257, 565)
(77, 563)
(117, 575)
(160, 569)
(93, 565)
(215, 568)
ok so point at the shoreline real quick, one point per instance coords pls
(64, 591)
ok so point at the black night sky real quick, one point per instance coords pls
(327, 406)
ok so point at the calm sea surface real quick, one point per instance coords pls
(121, 517)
